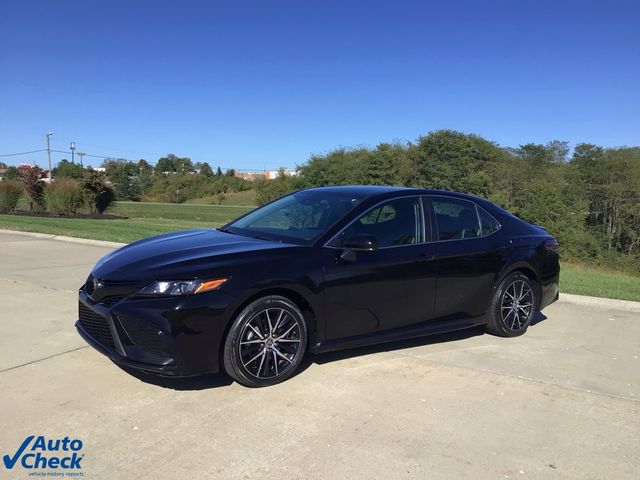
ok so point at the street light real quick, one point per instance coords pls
(49, 154)
(72, 147)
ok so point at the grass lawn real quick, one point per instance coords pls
(146, 219)
(599, 283)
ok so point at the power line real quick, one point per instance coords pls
(21, 153)
(112, 157)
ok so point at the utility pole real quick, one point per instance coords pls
(81, 154)
(49, 155)
(72, 147)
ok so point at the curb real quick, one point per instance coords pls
(62, 238)
(624, 305)
(583, 300)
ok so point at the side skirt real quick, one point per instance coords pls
(405, 333)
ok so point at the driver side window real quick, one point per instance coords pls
(394, 223)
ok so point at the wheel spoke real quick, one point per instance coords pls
(266, 312)
(275, 361)
(257, 332)
(248, 342)
(254, 358)
(264, 354)
(281, 355)
(282, 313)
(278, 339)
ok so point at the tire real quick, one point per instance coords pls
(266, 342)
(514, 305)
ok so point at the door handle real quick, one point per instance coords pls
(424, 258)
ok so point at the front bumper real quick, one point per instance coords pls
(164, 335)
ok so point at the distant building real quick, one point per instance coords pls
(271, 174)
(251, 176)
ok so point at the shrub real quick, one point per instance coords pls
(96, 194)
(63, 196)
(10, 193)
(34, 186)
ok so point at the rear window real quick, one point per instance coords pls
(456, 219)
(460, 219)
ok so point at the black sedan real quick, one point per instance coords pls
(318, 270)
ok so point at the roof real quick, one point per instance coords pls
(377, 190)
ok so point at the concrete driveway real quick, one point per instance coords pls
(560, 402)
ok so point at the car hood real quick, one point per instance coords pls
(179, 255)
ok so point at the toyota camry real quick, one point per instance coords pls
(318, 270)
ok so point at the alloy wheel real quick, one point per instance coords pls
(269, 343)
(517, 305)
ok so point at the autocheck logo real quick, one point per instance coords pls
(41, 453)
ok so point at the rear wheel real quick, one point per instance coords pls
(513, 307)
(266, 342)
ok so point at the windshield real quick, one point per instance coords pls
(297, 218)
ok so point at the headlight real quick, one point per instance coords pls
(182, 287)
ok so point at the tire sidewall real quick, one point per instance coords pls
(233, 363)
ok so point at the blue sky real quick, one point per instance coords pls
(255, 84)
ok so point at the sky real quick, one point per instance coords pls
(263, 84)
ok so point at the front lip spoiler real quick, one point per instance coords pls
(170, 370)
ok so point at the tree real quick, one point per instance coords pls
(12, 173)
(3, 165)
(218, 172)
(205, 170)
(144, 167)
(95, 193)
(123, 176)
(166, 164)
(66, 169)
(453, 160)
(230, 172)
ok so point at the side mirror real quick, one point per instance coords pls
(360, 241)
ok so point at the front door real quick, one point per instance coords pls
(390, 287)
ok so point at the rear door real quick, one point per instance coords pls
(470, 252)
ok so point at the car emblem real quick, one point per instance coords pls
(92, 285)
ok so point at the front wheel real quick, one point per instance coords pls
(513, 306)
(266, 342)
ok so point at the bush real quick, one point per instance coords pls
(10, 193)
(34, 186)
(96, 194)
(63, 196)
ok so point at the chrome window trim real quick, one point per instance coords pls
(382, 202)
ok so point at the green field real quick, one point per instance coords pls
(147, 219)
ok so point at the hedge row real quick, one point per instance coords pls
(63, 196)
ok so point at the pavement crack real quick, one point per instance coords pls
(44, 358)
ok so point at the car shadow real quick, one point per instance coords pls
(455, 336)
(215, 380)
(199, 382)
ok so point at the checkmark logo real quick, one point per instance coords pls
(10, 462)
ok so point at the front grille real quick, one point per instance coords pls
(95, 325)
(145, 336)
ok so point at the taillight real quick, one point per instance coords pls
(551, 244)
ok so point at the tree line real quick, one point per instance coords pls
(589, 198)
